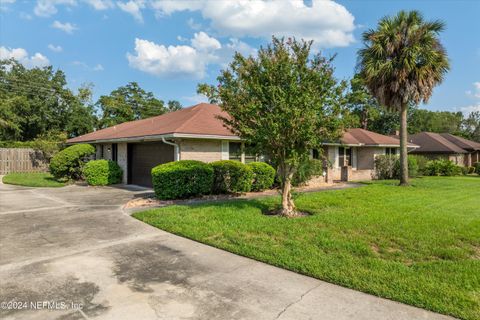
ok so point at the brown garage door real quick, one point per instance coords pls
(142, 157)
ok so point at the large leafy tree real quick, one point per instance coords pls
(401, 63)
(471, 126)
(131, 102)
(36, 101)
(283, 103)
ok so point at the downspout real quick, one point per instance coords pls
(176, 154)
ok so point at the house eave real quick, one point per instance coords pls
(160, 137)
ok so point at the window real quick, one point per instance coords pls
(315, 154)
(114, 152)
(235, 151)
(390, 151)
(344, 156)
(249, 156)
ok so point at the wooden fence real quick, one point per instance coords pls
(22, 160)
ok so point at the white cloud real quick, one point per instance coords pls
(25, 16)
(66, 27)
(133, 7)
(181, 60)
(328, 23)
(7, 1)
(193, 25)
(476, 94)
(82, 64)
(98, 67)
(55, 48)
(203, 42)
(21, 55)
(101, 4)
(47, 8)
(196, 98)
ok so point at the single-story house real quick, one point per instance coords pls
(196, 133)
(432, 145)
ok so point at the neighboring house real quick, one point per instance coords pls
(196, 133)
(446, 146)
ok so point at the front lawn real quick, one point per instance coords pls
(418, 245)
(32, 179)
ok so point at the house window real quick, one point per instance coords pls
(235, 151)
(344, 156)
(315, 154)
(390, 151)
(114, 152)
(249, 155)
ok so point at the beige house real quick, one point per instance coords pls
(196, 133)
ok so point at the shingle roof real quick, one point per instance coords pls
(463, 143)
(430, 142)
(198, 119)
(202, 119)
(360, 136)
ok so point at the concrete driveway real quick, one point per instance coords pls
(74, 245)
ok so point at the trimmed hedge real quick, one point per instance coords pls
(68, 163)
(102, 172)
(263, 175)
(231, 177)
(477, 167)
(182, 179)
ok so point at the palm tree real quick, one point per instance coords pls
(401, 63)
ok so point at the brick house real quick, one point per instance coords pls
(196, 133)
(447, 146)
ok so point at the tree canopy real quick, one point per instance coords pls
(283, 103)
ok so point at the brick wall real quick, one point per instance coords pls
(202, 150)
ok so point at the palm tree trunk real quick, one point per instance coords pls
(403, 147)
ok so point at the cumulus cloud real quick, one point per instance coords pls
(47, 8)
(328, 23)
(21, 55)
(98, 67)
(55, 48)
(66, 27)
(160, 60)
(476, 93)
(468, 109)
(133, 7)
(185, 60)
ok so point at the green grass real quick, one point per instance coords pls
(418, 245)
(37, 179)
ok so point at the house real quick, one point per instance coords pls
(196, 133)
(446, 146)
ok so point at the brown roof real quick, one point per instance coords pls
(199, 119)
(430, 142)
(364, 137)
(463, 143)
(202, 119)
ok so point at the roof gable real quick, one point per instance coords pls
(431, 142)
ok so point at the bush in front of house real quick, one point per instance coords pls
(182, 179)
(102, 172)
(231, 177)
(442, 168)
(388, 167)
(477, 167)
(307, 170)
(471, 170)
(421, 163)
(263, 175)
(68, 163)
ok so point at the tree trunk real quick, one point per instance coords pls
(403, 147)
(288, 207)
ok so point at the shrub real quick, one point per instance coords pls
(388, 167)
(442, 168)
(464, 170)
(307, 170)
(263, 175)
(68, 163)
(477, 167)
(471, 170)
(412, 167)
(231, 177)
(102, 172)
(182, 179)
(421, 163)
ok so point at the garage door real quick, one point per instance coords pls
(142, 157)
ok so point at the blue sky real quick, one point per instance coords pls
(170, 46)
